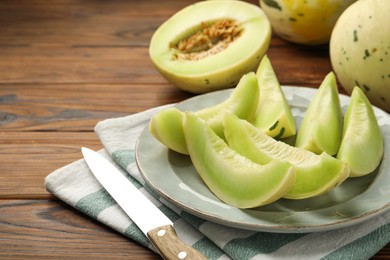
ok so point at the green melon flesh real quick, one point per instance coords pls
(225, 65)
(362, 143)
(322, 125)
(274, 115)
(233, 178)
(314, 174)
(243, 102)
(166, 126)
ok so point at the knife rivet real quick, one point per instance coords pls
(182, 255)
(161, 232)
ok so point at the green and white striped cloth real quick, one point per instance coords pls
(75, 185)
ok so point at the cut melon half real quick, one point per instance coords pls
(362, 144)
(209, 45)
(233, 178)
(314, 174)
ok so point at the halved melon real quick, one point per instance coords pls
(314, 174)
(274, 115)
(322, 125)
(362, 143)
(209, 45)
(232, 177)
(166, 126)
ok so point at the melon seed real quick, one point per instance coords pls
(209, 40)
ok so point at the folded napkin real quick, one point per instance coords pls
(75, 185)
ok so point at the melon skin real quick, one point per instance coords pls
(360, 50)
(221, 70)
(308, 22)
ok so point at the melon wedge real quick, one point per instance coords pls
(362, 143)
(322, 125)
(274, 115)
(232, 177)
(166, 126)
(243, 102)
(314, 174)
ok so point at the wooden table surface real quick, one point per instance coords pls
(64, 66)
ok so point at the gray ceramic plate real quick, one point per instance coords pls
(357, 199)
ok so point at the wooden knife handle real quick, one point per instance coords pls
(170, 247)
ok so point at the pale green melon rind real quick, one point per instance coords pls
(362, 145)
(314, 174)
(322, 126)
(223, 69)
(231, 177)
(166, 125)
(274, 114)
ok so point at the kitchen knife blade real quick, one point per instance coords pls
(152, 222)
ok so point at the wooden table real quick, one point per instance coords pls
(64, 66)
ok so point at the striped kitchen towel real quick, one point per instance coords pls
(75, 185)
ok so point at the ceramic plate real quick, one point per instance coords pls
(357, 199)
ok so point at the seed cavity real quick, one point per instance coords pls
(209, 40)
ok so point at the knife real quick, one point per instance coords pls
(152, 222)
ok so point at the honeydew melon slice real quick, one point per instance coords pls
(322, 125)
(274, 115)
(362, 142)
(166, 126)
(233, 178)
(209, 45)
(314, 174)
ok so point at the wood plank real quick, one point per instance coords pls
(293, 64)
(120, 23)
(28, 157)
(76, 107)
(77, 65)
(116, 65)
(45, 229)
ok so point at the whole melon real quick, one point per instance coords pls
(307, 22)
(360, 50)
